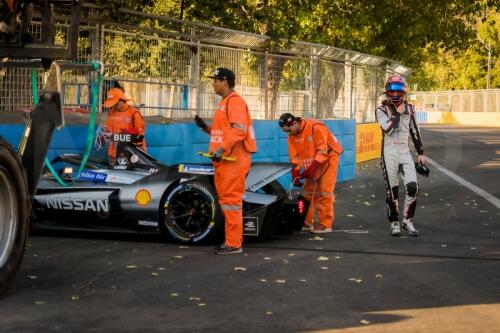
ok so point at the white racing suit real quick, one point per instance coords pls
(396, 157)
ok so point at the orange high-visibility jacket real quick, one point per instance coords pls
(127, 118)
(232, 127)
(313, 142)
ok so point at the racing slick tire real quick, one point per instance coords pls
(14, 214)
(191, 214)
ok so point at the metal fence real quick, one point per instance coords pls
(162, 63)
(483, 100)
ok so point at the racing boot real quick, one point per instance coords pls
(395, 230)
(408, 225)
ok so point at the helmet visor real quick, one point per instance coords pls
(395, 86)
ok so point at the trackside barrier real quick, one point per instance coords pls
(459, 118)
(176, 143)
(368, 142)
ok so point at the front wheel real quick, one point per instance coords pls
(13, 215)
(191, 214)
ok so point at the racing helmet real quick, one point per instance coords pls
(395, 89)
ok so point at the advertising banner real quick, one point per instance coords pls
(368, 141)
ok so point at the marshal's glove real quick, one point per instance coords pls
(200, 122)
(217, 154)
(311, 171)
(296, 178)
(135, 135)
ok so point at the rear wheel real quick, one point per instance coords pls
(13, 215)
(191, 214)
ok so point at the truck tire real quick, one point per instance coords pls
(14, 214)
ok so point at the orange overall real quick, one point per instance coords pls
(315, 142)
(126, 118)
(232, 130)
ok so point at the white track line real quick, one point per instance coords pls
(461, 181)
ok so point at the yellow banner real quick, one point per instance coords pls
(368, 141)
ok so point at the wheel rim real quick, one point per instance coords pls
(8, 216)
(189, 214)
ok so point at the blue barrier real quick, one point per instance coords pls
(176, 143)
(421, 117)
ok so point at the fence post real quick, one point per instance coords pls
(266, 93)
(348, 88)
(498, 100)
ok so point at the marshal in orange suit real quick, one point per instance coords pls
(123, 118)
(231, 134)
(314, 151)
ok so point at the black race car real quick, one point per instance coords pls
(139, 193)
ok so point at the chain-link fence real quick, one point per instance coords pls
(163, 63)
(483, 100)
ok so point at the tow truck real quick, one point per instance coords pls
(20, 169)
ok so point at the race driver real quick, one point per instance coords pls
(123, 118)
(231, 134)
(315, 150)
(397, 120)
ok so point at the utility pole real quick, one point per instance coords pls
(488, 47)
(488, 78)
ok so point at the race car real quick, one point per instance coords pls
(139, 193)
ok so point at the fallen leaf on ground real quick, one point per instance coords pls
(269, 313)
(267, 258)
(174, 294)
(364, 322)
(472, 248)
(324, 267)
(291, 254)
(322, 258)
(161, 268)
(183, 247)
(350, 215)
(201, 304)
(367, 203)
(240, 269)
(178, 257)
(131, 266)
(280, 281)
(302, 280)
(316, 238)
(262, 280)
(356, 280)
(155, 274)
(32, 277)
(39, 302)
(379, 276)
(75, 298)
(194, 299)
(444, 245)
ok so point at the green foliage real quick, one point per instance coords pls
(439, 39)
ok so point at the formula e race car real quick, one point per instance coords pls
(140, 193)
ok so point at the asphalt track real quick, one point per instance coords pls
(357, 279)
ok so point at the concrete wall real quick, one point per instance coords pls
(175, 143)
